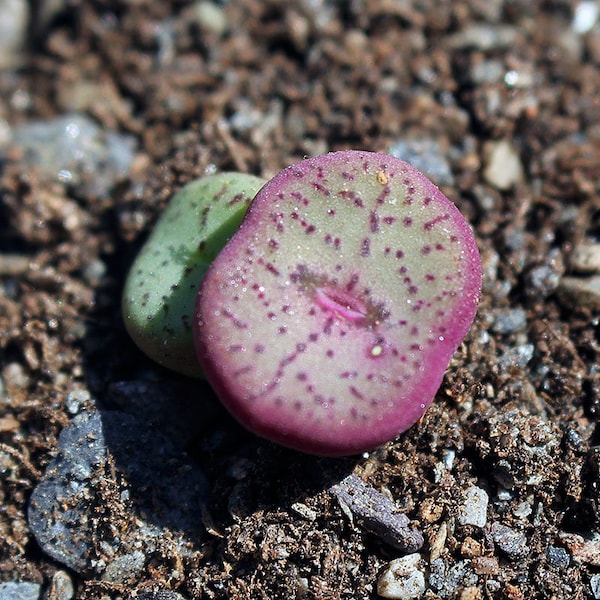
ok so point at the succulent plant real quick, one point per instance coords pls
(161, 287)
(328, 320)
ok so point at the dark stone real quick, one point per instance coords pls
(377, 514)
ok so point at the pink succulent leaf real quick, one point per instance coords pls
(327, 322)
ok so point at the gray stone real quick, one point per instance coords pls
(124, 569)
(20, 590)
(426, 155)
(72, 149)
(474, 509)
(510, 321)
(542, 281)
(558, 557)
(446, 580)
(595, 585)
(519, 357)
(57, 515)
(511, 542)
(113, 462)
(377, 514)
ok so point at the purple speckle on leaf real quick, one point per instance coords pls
(356, 322)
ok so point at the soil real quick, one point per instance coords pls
(255, 87)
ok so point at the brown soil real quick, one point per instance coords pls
(314, 77)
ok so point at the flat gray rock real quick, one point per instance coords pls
(114, 484)
(16, 590)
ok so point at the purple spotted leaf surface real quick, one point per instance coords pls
(328, 320)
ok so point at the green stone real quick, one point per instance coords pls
(161, 287)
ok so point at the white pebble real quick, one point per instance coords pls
(586, 258)
(585, 17)
(504, 168)
(402, 579)
(211, 16)
(580, 291)
(14, 16)
(474, 509)
(15, 376)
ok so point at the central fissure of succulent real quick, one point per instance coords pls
(342, 305)
(341, 301)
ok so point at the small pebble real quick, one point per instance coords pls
(61, 587)
(14, 17)
(474, 509)
(518, 357)
(124, 569)
(377, 514)
(402, 579)
(484, 36)
(14, 376)
(471, 593)
(74, 150)
(470, 548)
(487, 71)
(519, 79)
(426, 155)
(14, 264)
(586, 259)
(504, 168)
(510, 321)
(523, 510)
(511, 542)
(94, 271)
(211, 17)
(160, 595)
(437, 542)
(542, 281)
(595, 585)
(304, 511)
(585, 17)
(25, 590)
(586, 551)
(486, 565)
(558, 557)
(447, 581)
(76, 399)
(577, 292)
